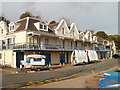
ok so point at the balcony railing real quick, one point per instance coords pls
(102, 49)
(35, 46)
(31, 46)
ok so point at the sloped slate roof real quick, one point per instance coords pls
(22, 24)
(31, 25)
(28, 24)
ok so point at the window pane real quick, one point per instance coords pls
(46, 41)
(27, 61)
(37, 59)
(0, 55)
(1, 31)
(41, 26)
(63, 31)
(45, 27)
(12, 27)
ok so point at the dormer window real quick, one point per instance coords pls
(1, 31)
(45, 27)
(41, 26)
(11, 27)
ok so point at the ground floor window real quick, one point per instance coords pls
(0, 55)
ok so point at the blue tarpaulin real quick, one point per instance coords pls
(113, 78)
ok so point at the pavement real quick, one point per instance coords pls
(53, 67)
(90, 80)
(17, 70)
(57, 74)
(87, 81)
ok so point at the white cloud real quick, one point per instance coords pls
(89, 15)
(60, 0)
(0, 8)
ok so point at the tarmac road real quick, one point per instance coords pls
(11, 79)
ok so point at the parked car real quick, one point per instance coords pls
(116, 56)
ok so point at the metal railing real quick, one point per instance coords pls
(103, 49)
(35, 46)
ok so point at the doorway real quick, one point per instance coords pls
(62, 58)
(19, 57)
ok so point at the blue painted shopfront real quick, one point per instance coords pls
(47, 59)
(62, 58)
(19, 57)
(103, 55)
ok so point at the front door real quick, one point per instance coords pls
(47, 59)
(62, 58)
(19, 57)
(67, 56)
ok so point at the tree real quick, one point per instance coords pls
(92, 31)
(28, 14)
(101, 34)
(52, 22)
(4, 19)
(116, 39)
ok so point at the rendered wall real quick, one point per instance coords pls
(8, 58)
(20, 36)
(55, 58)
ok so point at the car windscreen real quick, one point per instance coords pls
(27, 61)
(37, 59)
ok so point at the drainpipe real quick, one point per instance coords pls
(39, 42)
(4, 59)
(33, 40)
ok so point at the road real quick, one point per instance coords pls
(11, 79)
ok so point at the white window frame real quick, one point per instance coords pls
(13, 28)
(46, 41)
(1, 30)
(43, 25)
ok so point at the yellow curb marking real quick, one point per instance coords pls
(42, 83)
(67, 79)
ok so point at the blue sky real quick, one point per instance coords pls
(86, 15)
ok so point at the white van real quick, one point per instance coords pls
(34, 61)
